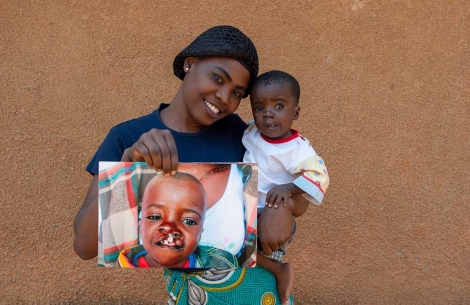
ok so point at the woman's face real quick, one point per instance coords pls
(213, 88)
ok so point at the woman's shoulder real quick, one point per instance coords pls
(145, 122)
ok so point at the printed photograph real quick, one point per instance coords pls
(202, 217)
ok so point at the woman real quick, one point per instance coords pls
(217, 70)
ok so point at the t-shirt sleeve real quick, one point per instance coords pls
(313, 178)
(309, 169)
(111, 149)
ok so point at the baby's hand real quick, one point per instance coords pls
(278, 195)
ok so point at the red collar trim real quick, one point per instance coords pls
(142, 262)
(294, 135)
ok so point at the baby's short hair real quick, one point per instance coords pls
(185, 177)
(179, 176)
(279, 77)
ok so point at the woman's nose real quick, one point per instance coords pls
(223, 95)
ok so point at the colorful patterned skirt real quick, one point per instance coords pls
(238, 286)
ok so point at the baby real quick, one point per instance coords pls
(287, 163)
(173, 211)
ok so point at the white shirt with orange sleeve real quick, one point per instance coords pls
(288, 160)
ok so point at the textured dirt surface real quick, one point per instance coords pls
(385, 101)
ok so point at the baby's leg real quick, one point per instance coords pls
(284, 274)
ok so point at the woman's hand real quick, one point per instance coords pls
(274, 228)
(275, 225)
(157, 148)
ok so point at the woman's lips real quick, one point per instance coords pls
(213, 110)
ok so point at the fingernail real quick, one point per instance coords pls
(167, 175)
(173, 172)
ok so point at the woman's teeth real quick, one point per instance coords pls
(212, 107)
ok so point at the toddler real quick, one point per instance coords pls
(287, 163)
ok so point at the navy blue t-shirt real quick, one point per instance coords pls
(219, 142)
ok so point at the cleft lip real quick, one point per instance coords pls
(171, 240)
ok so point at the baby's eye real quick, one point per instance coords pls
(258, 108)
(279, 106)
(189, 222)
(217, 78)
(154, 217)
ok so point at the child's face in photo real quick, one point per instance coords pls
(274, 109)
(172, 219)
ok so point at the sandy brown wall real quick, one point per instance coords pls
(385, 101)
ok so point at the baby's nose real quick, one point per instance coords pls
(169, 227)
(268, 114)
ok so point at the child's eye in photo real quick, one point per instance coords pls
(154, 217)
(279, 106)
(189, 222)
(258, 108)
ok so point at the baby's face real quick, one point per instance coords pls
(172, 220)
(274, 109)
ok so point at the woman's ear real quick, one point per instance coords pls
(188, 62)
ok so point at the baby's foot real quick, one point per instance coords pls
(285, 282)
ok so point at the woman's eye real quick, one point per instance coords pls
(154, 217)
(279, 106)
(217, 78)
(238, 94)
(189, 222)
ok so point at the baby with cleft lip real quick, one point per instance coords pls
(173, 211)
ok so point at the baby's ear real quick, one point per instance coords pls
(296, 112)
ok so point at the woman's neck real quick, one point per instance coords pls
(177, 117)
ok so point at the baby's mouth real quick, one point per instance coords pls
(172, 240)
(270, 125)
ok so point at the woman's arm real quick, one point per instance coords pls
(86, 224)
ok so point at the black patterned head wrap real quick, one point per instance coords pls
(225, 41)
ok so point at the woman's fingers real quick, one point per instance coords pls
(158, 149)
(164, 153)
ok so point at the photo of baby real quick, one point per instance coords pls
(152, 220)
